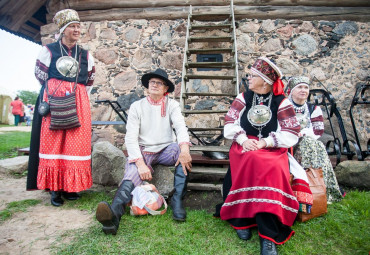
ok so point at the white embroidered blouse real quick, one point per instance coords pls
(285, 136)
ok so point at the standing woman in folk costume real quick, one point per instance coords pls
(60, 160)
(262, 124)
(310, 152)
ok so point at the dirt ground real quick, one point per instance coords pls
(43, 225)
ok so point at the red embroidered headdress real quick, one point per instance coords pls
(270, 73)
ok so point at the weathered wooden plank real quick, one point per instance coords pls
(55, 5)
(210, 148)
(203, 111)
(303, 12)
(204, 186)
(198, 158)
(19, 11)
(241, 12)
(216, 171)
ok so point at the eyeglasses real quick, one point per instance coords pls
(253, 76)
(158, 83)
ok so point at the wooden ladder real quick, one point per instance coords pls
(209, 33)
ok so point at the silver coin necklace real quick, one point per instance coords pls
(67, 65)
(259, 114)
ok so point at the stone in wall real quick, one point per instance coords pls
(250, 27)
(107, 56)
(142, 59)
(126, 100)
(125, 81)
(272, 45)
(305, 45)
(131, 35)
(287, 66)
(171, 60)
(267, 26)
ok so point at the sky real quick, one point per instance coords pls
(17, 64)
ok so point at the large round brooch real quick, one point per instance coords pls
(259, 115)
(67, 66)
(302, 119)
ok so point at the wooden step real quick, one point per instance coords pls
(210, 65)
(209, 77)
(209, 51)
(199, 158)
(206, 129)
(210, 16)
(189, 94)
(204, 186)
(216, 171)
(211, 39)
(210, 148)
(210, 27)
(203, 111)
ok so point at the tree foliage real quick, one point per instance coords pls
(28, 97)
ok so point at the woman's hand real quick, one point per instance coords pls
(250, 145)
(261, 144)
(143, 170)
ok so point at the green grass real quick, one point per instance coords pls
(17, 206)
(11, 141)
(344, 230)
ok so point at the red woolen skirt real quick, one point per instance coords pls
(260, 184)
(65, 155)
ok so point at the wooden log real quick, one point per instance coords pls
(241, 12)
(304, 13)
(56, 5)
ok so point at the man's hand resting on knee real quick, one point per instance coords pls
(184, 158)
(144, 171)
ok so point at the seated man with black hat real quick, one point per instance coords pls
(150, 141)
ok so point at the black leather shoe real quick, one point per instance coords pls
(56, 198)
(244, 234)
(70, 195)
(268, 247)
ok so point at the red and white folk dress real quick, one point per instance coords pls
(65, 155)
(260, 193)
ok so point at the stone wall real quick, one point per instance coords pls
(336, 53)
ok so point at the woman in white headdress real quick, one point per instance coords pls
(60, 160)
(310, 152)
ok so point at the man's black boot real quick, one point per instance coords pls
(110, 215)
(180, 183)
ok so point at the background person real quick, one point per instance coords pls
(60, 160)
(150, 141)
(310, 152)
(16, 108)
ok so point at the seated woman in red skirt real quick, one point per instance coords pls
(262, 124)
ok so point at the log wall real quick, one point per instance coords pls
(97, 10)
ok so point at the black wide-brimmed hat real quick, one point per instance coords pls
(160, 74)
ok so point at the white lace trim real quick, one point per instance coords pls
(263, 188)
(261, 200)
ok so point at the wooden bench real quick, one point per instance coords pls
(97, 122)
